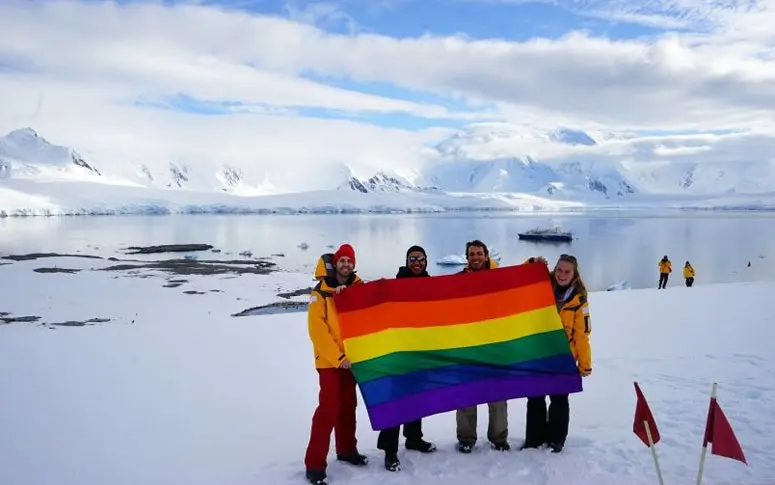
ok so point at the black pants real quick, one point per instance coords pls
(663, 280)
(689, 281)
(388, 438)
(547, 427)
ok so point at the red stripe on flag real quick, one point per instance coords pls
(446, 287)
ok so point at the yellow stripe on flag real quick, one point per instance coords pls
(366, 347)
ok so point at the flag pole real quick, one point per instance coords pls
(653, 452)
(705, 445)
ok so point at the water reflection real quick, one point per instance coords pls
(610, 247)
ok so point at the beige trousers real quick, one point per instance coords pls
(497, 429)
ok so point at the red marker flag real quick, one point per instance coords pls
(643, 415)
(719, 432)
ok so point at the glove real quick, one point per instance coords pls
(585, 372)
(538, 259)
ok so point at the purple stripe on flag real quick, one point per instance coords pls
(416, 406)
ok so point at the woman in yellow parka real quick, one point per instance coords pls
(551, 428)
(689, 274)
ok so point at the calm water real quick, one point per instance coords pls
(611, 247)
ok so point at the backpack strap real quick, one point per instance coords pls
(319, 289)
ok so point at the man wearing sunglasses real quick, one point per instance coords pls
(415, 267)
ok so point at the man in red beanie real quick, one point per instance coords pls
(337, 398)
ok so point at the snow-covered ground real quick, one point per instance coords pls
(173, 389)
(26, 197)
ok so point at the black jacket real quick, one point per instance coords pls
(405, 272)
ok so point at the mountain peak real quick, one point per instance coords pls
(27, 147)
(487, 141)
(381, 181)
(22, 133)
(573, 137)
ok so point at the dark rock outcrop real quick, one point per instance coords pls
(168, 248)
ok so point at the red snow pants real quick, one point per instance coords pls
(335, 412)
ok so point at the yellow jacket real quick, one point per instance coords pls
(688, 272)
(574, 315)
(323, 324)
(665, 266)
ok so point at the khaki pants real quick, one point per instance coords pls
(497, 429)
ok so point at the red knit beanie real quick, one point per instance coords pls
(345, 250)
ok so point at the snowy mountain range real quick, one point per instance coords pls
(567, 164)
(489, 161)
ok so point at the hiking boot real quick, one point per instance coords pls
(556, 447)
(353, 458)
(501, 446)
(531, 444)
(317, 477)
(420, 445)
(391, 462)
(465, 447)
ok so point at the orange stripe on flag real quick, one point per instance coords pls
(437, 313)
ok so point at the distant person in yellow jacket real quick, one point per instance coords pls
(689, 274)
(665, 268)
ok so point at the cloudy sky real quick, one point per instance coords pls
(374, 81)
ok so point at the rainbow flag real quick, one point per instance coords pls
(423, 346)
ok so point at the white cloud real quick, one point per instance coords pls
(80, 66)
(76, 115)
(145, 47)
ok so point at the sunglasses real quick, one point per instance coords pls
(416, 259)
(568, 257)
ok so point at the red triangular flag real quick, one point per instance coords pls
(643, 413)
(719, 432)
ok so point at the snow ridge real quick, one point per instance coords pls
(484, 166)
